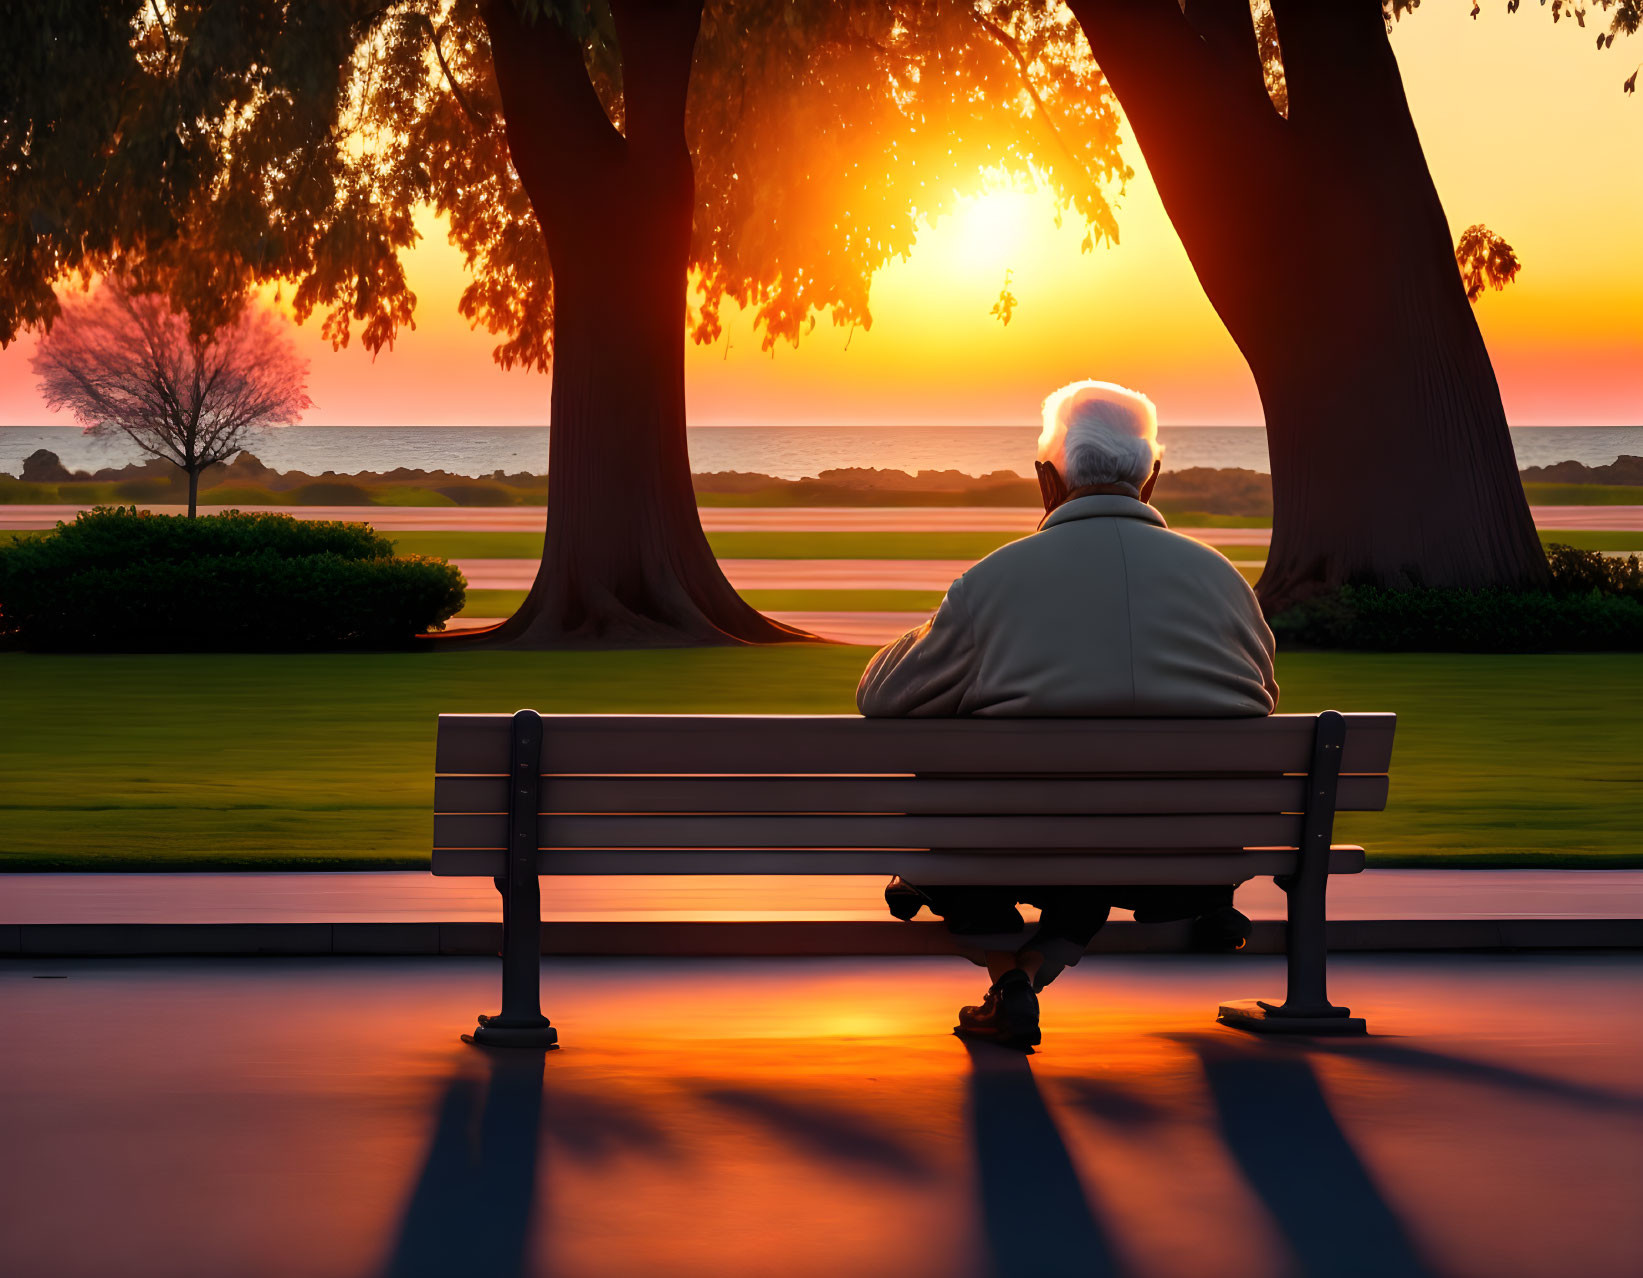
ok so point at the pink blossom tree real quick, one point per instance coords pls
(123, 362)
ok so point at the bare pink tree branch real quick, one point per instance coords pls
(123, 362)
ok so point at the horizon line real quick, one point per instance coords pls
(810, 425)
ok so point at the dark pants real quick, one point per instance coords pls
(1073, 914)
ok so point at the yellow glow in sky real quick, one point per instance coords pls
(1525, 128)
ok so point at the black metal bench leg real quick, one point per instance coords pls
(1306, 1008)
(521, 1023)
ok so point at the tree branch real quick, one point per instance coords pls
(1221, 156)
(1200, 141)
(1012, 46)
(658, 46)
(165, 32)
(553, 118)
(1154, 61)
(1227, 28)
(1334, 56)
(482, 123)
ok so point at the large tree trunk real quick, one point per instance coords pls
(1322, 244)
(625, 562)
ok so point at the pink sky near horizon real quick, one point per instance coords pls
(1566, 338)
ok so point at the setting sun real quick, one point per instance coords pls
(991, 230)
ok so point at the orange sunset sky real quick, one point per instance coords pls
(1525, 129)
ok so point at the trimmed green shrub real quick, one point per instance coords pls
(1595, 604)
(1580, 572)
(120, 580)
(112, 536)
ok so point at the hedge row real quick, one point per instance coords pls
(1595, 604)
(120, 580)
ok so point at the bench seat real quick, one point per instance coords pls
(960, 801)
(1001, 866)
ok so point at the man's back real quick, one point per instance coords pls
(1104, 612)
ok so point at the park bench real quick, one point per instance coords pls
(1040, 801)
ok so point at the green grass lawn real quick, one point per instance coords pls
(325, 760)
(1593, 538)
(491, 603)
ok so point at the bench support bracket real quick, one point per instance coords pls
(1306, 1008)
(521, 1023)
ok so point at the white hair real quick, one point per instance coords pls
(1100, 433)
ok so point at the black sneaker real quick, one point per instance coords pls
(1008, 1015)
(1221, 931)
(904, 900)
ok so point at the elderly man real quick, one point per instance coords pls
(1102, 612)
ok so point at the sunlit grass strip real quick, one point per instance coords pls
(492, 603)
(1594, 538)
(324, 760)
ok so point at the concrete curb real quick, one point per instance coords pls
(772, 939)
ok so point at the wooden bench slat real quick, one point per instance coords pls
(958, 796)
(1236, 830)
(1115, 868)
(637, 744)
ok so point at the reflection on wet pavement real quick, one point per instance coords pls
(815, 1117)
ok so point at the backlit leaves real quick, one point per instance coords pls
(1004, 308)
(1625, 18)
(292, 141)
(825, 133)
(1485, 261)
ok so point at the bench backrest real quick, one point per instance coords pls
(644, 786)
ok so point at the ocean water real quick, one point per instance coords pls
(790, 452)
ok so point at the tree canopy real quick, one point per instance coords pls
(293, 143)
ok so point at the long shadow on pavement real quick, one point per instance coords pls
(473, 1207)
(1404, 1056)
(827, 1132)
(471, 1210)
(1279, 1129)
(1037, 1220)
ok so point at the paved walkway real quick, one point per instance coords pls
(796, 518)
(762, 574)
(417, 897)
(871, 629)
(312, 1118)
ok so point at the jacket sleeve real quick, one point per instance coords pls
(1263, 647)
(927, 671)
